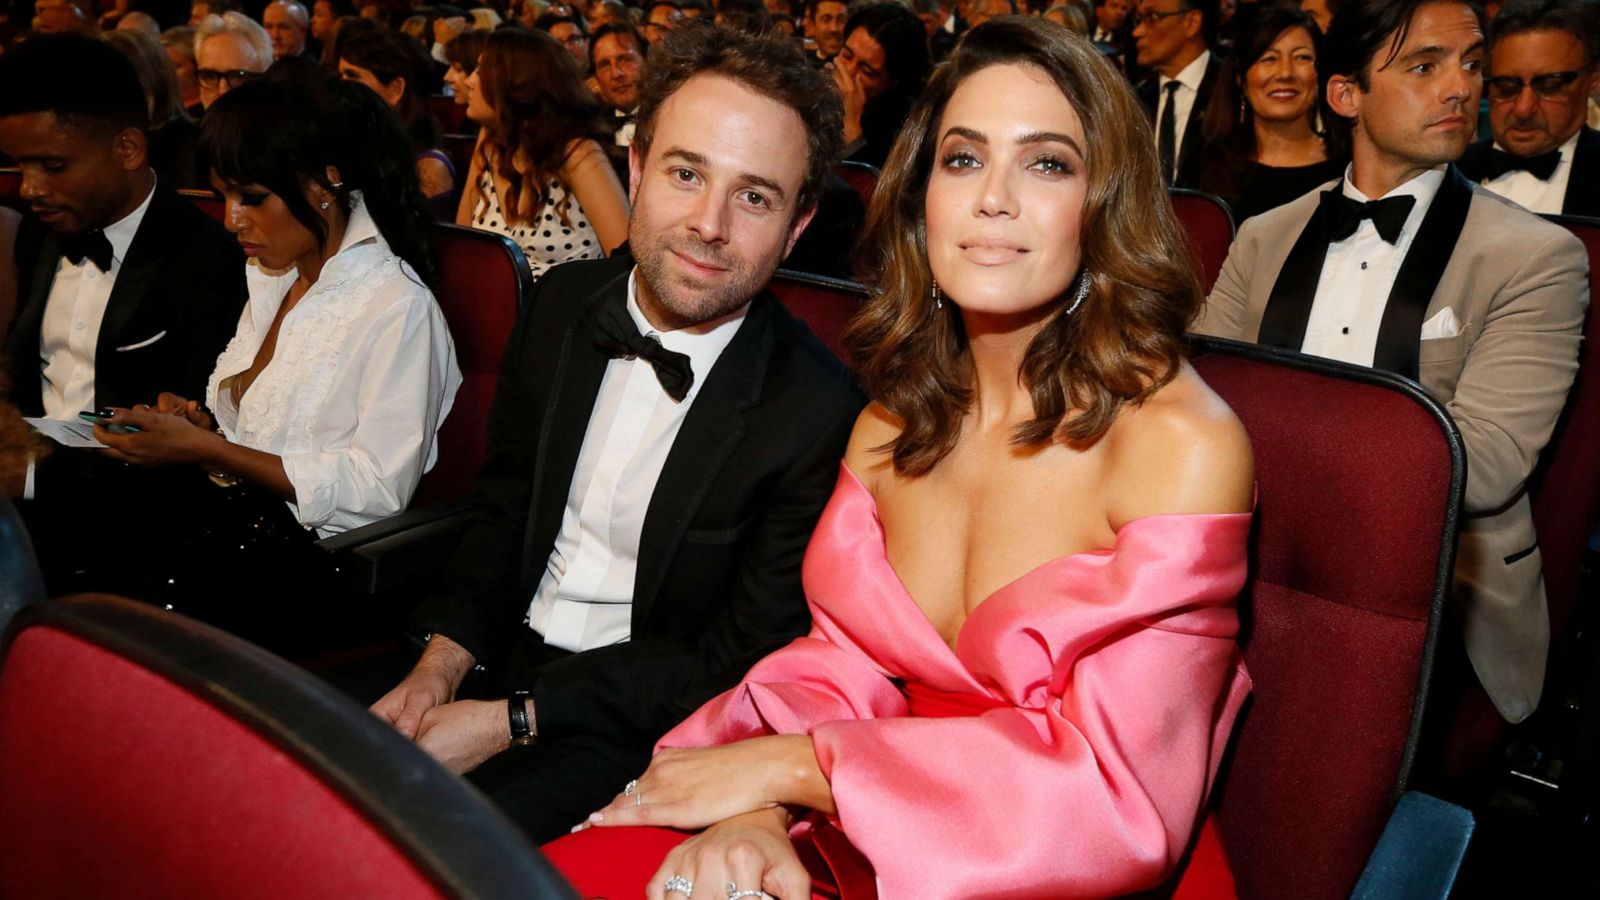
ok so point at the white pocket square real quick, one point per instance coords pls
(1444, 324)
(161, 334)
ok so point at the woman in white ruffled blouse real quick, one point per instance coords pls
(329, 398)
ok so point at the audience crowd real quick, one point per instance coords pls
(712, 580)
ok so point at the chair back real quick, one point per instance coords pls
(859, 175)
(147, 755)
(11, 188)
(451, 116)
(1565, 488)
(208, 202)
(1351, 557)
(824, 304)
(483, 280)
(1208, 224)
(459, 148)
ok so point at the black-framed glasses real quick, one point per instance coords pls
(1150, 18)
(234, 77)
(574, 40)
(1547, 86)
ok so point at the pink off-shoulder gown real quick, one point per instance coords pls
(1065, 748)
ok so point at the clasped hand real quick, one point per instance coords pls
(175, 430)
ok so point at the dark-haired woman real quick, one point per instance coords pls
(322, 411)
(397, 69)
(539, 174)
(462, 56)
(172, 133)
(1023, 668)
(1264, 146)
(879, 73)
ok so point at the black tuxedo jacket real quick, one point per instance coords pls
(1189, 152)
(718, 581)
(1583, 185)
(175, 304)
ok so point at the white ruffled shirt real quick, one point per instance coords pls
(363, 375)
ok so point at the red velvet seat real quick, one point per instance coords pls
(1360, 476)
(459, 146)
(11, 188)
(147, 755)
(452, 116)
(859, 175)
(824, 304)
(209, 202)
(483, 280)
(1208, 223)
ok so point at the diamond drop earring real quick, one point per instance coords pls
(1083, 293)
(938, 301)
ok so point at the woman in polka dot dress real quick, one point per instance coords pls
(539, 174)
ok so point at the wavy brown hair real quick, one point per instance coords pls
(541, 106)
(1121, 345)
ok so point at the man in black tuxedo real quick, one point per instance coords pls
(1543, 57)
(1174, 38)
(124, 289)
(647, 499)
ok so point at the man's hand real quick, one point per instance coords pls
(433, 681)
(465, 733)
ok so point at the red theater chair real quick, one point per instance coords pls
(1360, 477)
(824, 304)
(483, 280)
(459, 148)
(859, 175)
(11, 188)
(1208, 223)
(452, 116)
(209, 202)
(149, 756)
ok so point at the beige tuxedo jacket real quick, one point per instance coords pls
(1518, 286)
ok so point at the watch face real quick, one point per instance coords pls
(523, 741)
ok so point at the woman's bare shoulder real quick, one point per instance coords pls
(867, 454)
(1181, 451)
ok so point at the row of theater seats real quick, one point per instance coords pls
(1371, 471)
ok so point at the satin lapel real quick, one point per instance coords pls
(137, 275)
(23, 341)
(579, 369)
(1400, 332)
(1583, 184)
(1283, 322)
(710, 432)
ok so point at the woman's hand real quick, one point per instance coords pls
(699, 787)
(162, 438)
(751, 852)
(171, 404)
(852, 93)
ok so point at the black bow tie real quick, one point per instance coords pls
(616, 335)
(1342, 216)
(1500, 162)
(91, 245)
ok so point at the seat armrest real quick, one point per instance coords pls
(1419, 853)
(401, 551)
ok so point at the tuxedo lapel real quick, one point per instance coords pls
(1283, 322)
(140, 268)
(1583, 183)
(1400, 332)
(579, 369)
(709, 433)
(27, 391)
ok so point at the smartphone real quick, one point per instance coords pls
(102, 418)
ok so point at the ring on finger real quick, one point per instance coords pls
(734, 893)
(678, 884)
(629, 789)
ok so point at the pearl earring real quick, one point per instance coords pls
(938, 301)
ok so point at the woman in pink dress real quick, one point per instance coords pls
(1023, 670)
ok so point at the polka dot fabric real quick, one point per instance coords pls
(546, 241)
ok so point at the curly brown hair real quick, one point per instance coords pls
(1122, 344)
(541, 106)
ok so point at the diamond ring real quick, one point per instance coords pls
(734, 893)
(678, 884)
(631, 787)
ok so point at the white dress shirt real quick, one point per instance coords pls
(70, 330)
(1183, 102)
(1357, 275)
(625, 130)
(1538, 196)
(362, 375)
(585, 599)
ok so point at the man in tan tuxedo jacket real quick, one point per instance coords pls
(1440, 281)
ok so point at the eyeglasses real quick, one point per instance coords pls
(1150, 18)
(574, 40)
(234, 77)
(1547, 86)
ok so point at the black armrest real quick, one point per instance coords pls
(1419, 853)
(402, 550)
